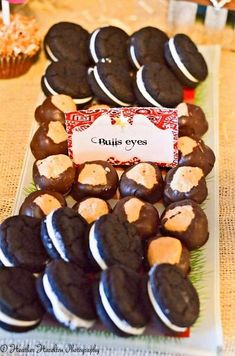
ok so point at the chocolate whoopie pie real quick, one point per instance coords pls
(173, 298)
(20, 243)
(111, 83)
(108, 42)
(144, 216)
(66, 294)
(63, 235)
(146, 45)
(166, 249)
(54, 173)
(185, 60)
(54, 108)
(95, 179)
(20, 307)
(68, 78)
(113, 240)
(49, 139)
(186, 221)
(67, 41)
(40, 203)
(195, 153)
(92, 208)
(185, 183)
(120, 301)
(192, 120)
(157, 86)
(143, 180)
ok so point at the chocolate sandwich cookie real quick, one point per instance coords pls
(192, 120)
(95, 179)
(20, 307)
(144, 216)
(166, 249)
(185, 60)
(54, 173)
(63, 235)
(144, 181)
(112, 241)
(54, 108)
(68, 78)
(66, 294)
(92, 208)
(20, 243)
(67, 41)
(186, 221)
(173, 298)
(108, 42)
(195, 153)
(120, 301)
(111, 84)
(49, 139)
(185, 183)
(157, 86)
(41, 202)
(146, 45)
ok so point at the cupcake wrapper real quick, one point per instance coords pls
(11, 67)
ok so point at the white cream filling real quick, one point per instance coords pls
(182, 109)
(92, 45)
(61, 313)
(15, 322)
(133, 57)
(178, 62)
(55, 237)
(53, 92)
(93, 245)
(160, 314)
(120, 323)
(51, 55)
(105, 90)
(5, 260)
(142, 89)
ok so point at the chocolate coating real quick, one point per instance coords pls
(148, 221)
(202, 156)
(195, 124)
(47, 112)
(103, 191)
(30, 208)
(198, 193)
(43, 146)
(129, 187)
(61, 184)
(197, 233)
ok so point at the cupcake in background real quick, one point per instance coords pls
(19, 46)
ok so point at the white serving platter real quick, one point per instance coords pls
(206, 337)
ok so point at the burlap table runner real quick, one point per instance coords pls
(18, 98)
